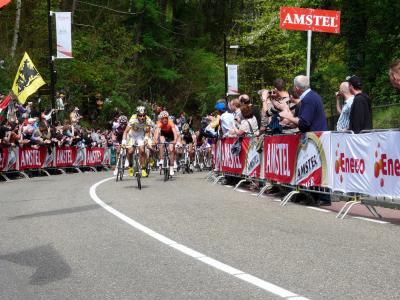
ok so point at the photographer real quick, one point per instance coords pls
(273, 102)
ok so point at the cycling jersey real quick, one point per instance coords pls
(138, 130)
(166, 130)
(139, 127)
(187, 137)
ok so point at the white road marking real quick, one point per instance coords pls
(318, 209)
(267, 286)
(371, 220)
(241, 191)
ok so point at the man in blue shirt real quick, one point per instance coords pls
(311, 114)
(311, 118)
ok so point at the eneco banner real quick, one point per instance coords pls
(367, 163)
(63, 29)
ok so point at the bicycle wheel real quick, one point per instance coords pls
(166, 169)
(122, 166)
(138, 173)
(119, 167)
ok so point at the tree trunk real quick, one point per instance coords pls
(73, 10)
(16, 28)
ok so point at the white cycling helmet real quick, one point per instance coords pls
(123, 119)
(140, 110)
(163, 114)
(185, 127)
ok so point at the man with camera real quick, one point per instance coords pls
(311, 113)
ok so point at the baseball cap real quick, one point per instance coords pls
(355, 81)
(220, 106)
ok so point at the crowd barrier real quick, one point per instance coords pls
(20, 159)
(365, 167)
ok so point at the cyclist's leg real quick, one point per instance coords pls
(161, 148)
(129, 151)
(191, 152)
(171, 148)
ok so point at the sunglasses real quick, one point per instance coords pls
(141, 116)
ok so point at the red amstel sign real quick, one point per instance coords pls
(294, 18)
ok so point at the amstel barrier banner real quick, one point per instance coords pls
(65, 157)
(19, 159)
(94, 156)
(229, 162)
(298, 159)
(367, 163)
(9, 159)
(30, 158)
(248, 162)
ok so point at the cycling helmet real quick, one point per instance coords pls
(123, 119)
(163, 114)
(140, 110)
(185, 127)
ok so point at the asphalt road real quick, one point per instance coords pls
(58, 243)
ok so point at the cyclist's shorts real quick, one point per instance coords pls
(169, 137)
(135, 139)
(188, 139)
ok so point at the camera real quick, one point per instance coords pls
(272, 111)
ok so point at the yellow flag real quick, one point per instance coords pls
(27, 81)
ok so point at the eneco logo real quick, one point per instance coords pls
(350, 165)
(385, 166)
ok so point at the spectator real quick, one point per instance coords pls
(248, 125)
(394, 73)
(60, 107)
(311, 114)
(211, 131)
(343, 122)
(75, 117)
(361, 109)
(245, 99)
(227, 121)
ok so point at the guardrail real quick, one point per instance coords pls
(362, 167)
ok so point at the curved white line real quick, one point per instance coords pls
(267, 286)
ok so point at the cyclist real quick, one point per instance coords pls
(138, 132)
(166, 133)
(188, 138)
(118, 128)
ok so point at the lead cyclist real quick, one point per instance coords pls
(138, 133)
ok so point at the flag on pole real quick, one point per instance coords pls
(3, 107)
(27, 81)
(4, 3)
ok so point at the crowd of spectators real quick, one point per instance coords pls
(299, 109)
(25, 125)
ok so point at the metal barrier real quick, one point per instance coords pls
(362, 168)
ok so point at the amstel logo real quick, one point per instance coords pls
(350, 165)
(385, 166)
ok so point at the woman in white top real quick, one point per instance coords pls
(248, 125)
